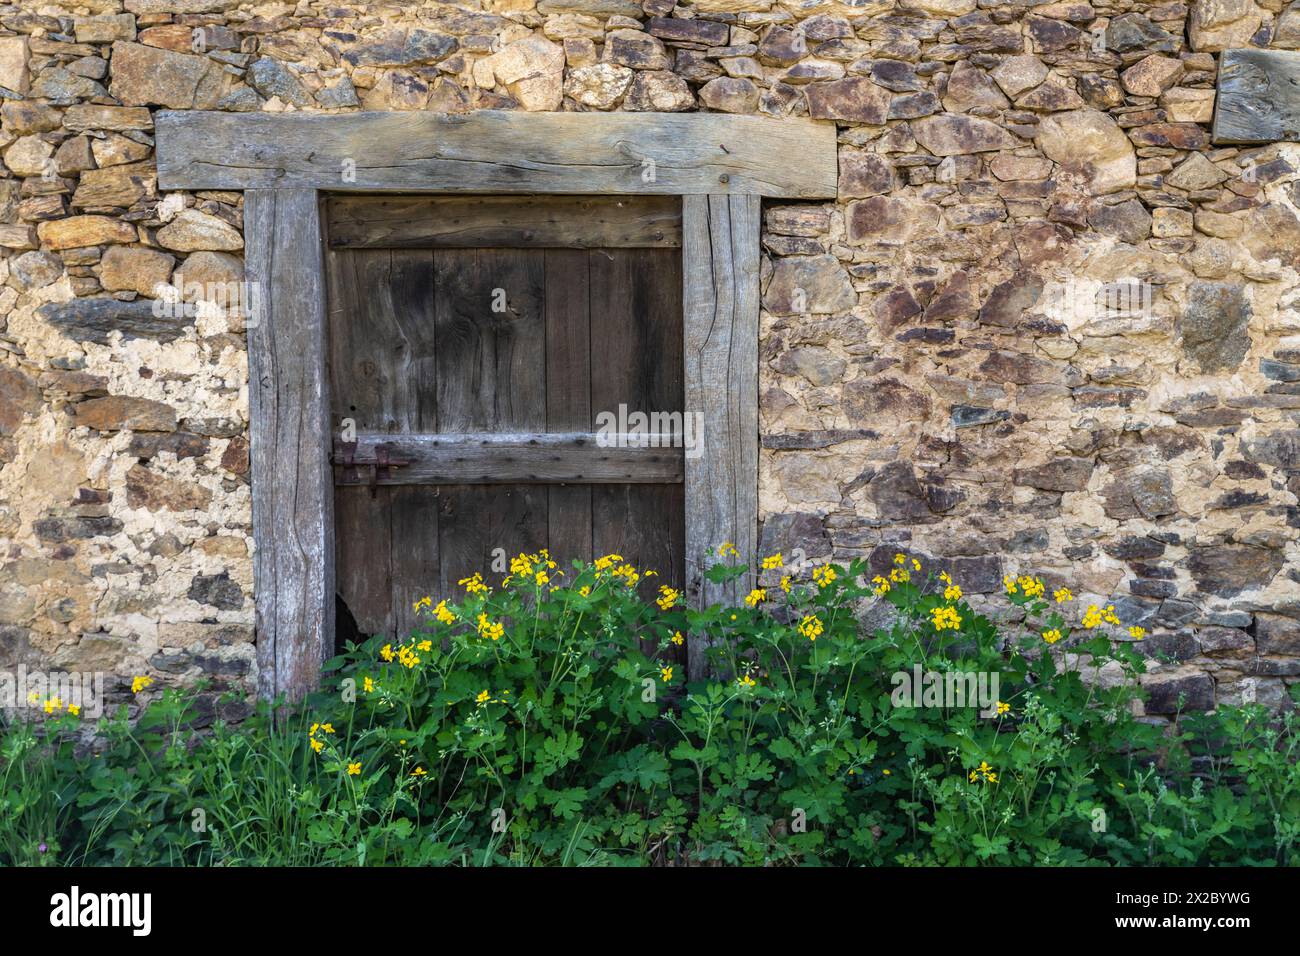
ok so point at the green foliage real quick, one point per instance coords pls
(547, 722)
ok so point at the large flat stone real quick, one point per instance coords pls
(95, 319)
(149, 76)
(77, 231)
(1229, 569)
(953, 135)
(1090, 144)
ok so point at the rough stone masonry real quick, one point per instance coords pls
(929, 379)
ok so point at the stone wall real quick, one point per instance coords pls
(936, 371)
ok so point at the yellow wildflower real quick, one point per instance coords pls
(74, 710)
(824, 574)
(1092, 617)
(418, 772)
(945, 618)
(667, 597)
(772, 561)
(368, 685)
(811, 627)
(354, 769)
(677, 638)
(756, 597)
(882, 585)
(424, 602)
(140, 683)
(443, 614)
(482, 698)
(1031, 586)
(666, 674)
(1003, 708)
(1137, 633)
(316, 745)
(474, 584)
(746, 681)
(1009, 583)
(386, 652)
(785, 583)
(1062, 595)
(489, 629)
(952, 593)
(1052, 636)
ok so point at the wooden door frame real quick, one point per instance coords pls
(721, 165)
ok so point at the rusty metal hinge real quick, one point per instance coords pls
(383, 462)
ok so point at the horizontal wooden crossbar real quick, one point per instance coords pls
(520, 222)
(498, 151)
(494, 459)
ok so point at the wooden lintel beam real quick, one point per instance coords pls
(496, 151)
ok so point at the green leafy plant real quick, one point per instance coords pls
(546, 721)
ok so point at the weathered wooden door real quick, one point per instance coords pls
(473, 342)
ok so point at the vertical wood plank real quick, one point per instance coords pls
(463, 545)
(381, 338)
(568, 394)
(363, 560)
(413, 509)
(491, 376)
(720, 257)
(292, 484)
(417, 567)
(637, 295)
(491, 334)
(363, 387)
(474, 520)
(413, 280)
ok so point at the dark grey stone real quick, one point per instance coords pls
(1194, 692)
(217, 590)
(93, 320)
(1213, 325)
(272, 78)
(1227, 570)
